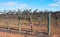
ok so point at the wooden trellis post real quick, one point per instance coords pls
(19, 23)
(30, 17)
(31, 23)
(39, 19)
(7, 16)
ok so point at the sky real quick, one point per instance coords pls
(50, 5)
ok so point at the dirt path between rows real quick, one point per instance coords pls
(7, 34)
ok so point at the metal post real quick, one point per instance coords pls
(49, 16)
(19, 24)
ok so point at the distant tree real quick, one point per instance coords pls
(19, 11)
(35, 11)
(4, 12)
(18, 15)
(25, 12)
(7, 17)
(56, 18)
(29, 13)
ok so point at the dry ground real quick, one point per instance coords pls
(55, 31)
(7, 34)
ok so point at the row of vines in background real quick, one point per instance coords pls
(15, 20)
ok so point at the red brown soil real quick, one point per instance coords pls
(7, 34)
(55, 32)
